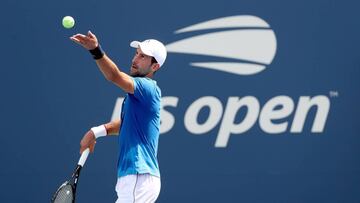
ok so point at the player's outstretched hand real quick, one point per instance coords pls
(88, 141)
(88, 41)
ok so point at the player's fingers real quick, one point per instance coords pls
(82, 148)
(78, 39)
(75, 40)
(82, 38)
(79, 35)
(87, 43)
(90, 34)
(92, 147)
(86, 144)
(86, 141)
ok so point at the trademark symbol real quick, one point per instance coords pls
(334, 93)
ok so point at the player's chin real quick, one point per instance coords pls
(133, 72)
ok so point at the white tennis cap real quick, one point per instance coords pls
(152, 47)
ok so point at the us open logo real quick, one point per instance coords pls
(245, 44)
(241, 45)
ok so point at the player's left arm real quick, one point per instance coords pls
(108, 129)
(113, 127)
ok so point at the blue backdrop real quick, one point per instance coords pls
(52, 93)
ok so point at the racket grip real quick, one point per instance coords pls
(83, 157)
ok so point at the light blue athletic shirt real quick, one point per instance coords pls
(139, 130)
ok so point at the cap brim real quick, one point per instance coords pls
(135, 44)
(144, 49)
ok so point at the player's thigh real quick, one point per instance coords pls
(125, 188)
(147, 188)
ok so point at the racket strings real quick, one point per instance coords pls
(64, 195)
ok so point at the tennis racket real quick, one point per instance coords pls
(66, 192)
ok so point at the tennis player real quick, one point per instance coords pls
(139, 124)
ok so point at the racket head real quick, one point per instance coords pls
(64, 194)
(67, 191)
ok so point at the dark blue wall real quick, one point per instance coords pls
(52, 93)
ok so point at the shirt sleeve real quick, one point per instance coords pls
(143, 88)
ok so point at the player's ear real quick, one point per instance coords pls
(155, 67)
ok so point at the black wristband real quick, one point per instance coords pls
(97, 53)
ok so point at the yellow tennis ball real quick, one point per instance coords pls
(68, 22)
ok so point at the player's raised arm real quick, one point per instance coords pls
(106, 65)
(113, 74)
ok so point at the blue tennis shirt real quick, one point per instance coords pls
(139, 130)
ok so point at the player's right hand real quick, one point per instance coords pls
(88, 41)
(88, 141)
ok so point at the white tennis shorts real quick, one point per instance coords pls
(140, 188)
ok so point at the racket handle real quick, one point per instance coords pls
(83, 157)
